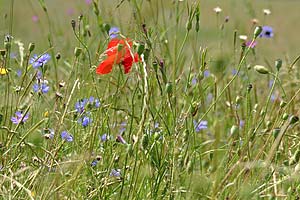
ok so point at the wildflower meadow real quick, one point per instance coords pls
(149, 99)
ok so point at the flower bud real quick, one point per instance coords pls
(282, 104)
(141, 48)
(73, 24)
(285, 116)
(2, 52)
(261, 69)
(278, 64)
(276, 132)
(77, 51)
(294, 119)
(169, 88)
(257, 31)
(234, 130)
(31, 47)
(238, 100)
(58, 56)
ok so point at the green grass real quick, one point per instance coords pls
(249, 149)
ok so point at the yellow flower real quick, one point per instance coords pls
(3, 71)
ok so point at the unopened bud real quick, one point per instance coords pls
(282, 104)
(278, 64)
(257, 31)
(238, 100)
(276, 132)
(31, 47)
(141, 48)
(294, 119)
(234, 130)
(2, 52)
(58, 56)
(285, 116)
(77, 51)
(261, 69)
(73, 24)
(169, 88)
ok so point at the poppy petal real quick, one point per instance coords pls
(106, 66)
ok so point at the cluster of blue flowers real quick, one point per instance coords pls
(83, 107)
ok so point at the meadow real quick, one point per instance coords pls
(149, 99)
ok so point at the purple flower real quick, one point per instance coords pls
(41, 86)
(80, 105)
(13, 55)
(194, 80)
(66, 136)
(94, 163)
(121, 139)
(85, 121)
(19, 117)
(267, 32)
(104, 137)
(206, 73)
(115, 173)
(248, 44)
(35, 18)
(39, 61)
(19, 73)
(242, 123)
(199, 126)
(48, 133)
(113, 32)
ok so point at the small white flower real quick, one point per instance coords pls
(217, 9)
(267, 11)
(243, 37)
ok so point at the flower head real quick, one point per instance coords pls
(104, 137)
(85, 121)
(88, 2)
(41, 86)
(267, 32)
(199, 126)
(3, 71)
(48, 133)
(19, 117)
(115, 173)
(66, 136)
(267, 11)
(39, 61)
(217, 9)
(118, 52)
(113, 32)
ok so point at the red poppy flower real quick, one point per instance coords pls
(118, 52)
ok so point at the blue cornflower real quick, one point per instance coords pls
(48, 133)
(115, 173)
(66, 136)
(194, 80)
(85, 121)
(41, 86)
(104, 137)
(19, 117)
(94, 163)
(39, 61)
(199, 126)
(242, 123)
(97, 103)
(206, 73)
(80, 105)
(267, 32)
(19, 73)
(113, 32)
